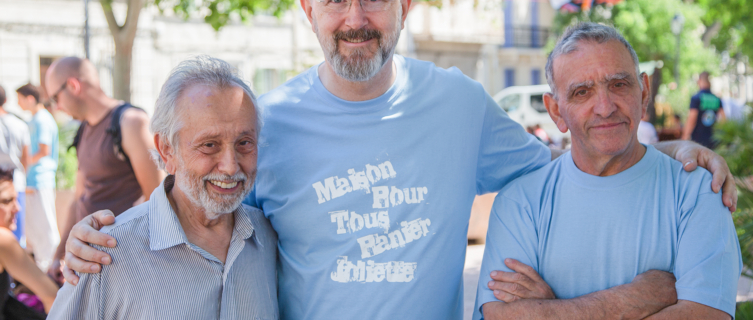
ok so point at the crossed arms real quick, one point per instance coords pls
(651, 295)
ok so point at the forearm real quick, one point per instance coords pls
(35, 158)
(620, 302)
(688, 310)
(66, 230)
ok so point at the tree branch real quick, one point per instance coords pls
(132, 18)
(711, 32)
(111, 22)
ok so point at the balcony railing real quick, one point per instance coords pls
(526, 36)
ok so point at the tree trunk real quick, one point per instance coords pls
(123, 37)
(121, 71)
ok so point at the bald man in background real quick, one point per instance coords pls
(114, 167)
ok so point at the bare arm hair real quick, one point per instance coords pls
(647, 294)
(688, 310)
(137, 141)
(20, 266)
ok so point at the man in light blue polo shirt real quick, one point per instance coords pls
(598, 222)
(41, 222)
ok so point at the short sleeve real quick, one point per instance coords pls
(45, 132)
(78, 302)
(511, 234)
(708, 262)
(507, 151)
(695, 102)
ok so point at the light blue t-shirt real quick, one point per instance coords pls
(584, 233)
(43, 130)
(371, 199)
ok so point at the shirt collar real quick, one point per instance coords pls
(165, 230)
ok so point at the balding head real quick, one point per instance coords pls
(74, 67)
(703, 80)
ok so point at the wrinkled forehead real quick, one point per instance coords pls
(216, 111)
(591, 63)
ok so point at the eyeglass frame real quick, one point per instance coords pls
(54, 97)
(360, 2)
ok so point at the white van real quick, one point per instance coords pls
(525, 105)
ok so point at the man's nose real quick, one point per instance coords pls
(355, 17)
(228, 162)
(604, 105)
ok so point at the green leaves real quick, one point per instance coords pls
(735, 140)
(219, 13)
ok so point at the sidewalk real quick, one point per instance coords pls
(475, 254)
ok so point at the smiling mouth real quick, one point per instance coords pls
(224, 185)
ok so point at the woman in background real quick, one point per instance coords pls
(14, 261)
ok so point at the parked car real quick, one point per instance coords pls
(525, 105)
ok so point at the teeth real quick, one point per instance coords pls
(224, 185)
(356, 40)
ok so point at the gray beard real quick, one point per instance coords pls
(358, 68)
(196, 192)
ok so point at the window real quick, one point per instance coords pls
(509, 77)
(535, 76)
(510, 103)
(537, 103)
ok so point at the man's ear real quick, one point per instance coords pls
(306, 6)
(645, 93)
(406, 8)
(73, 85)
(166, 152)
(554, 111)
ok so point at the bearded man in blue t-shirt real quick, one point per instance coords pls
(598, 223)
(368, 166)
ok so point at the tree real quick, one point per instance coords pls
(646, 24)
(729, 23)
(220, 13)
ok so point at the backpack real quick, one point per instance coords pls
(113, 130)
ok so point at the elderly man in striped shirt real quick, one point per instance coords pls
(193, 251)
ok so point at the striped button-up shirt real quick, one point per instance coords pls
(157, 274)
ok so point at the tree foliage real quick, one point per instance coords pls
(736, 146)
(646, 24)
(216, 13)
(733, 22)
(219, 13)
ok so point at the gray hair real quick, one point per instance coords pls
(586, 31)
(201, 70)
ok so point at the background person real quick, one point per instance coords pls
(14, 153)
(112, 146)
(14, 261)
(647, 131)
(42, 233)
(705, 111)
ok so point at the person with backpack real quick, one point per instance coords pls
(115, 170)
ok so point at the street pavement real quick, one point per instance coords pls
(475, 253)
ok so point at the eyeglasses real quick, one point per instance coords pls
(54, 97)
(340, 6)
